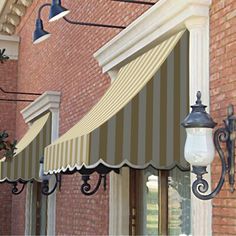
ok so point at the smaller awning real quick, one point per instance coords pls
(24, 166)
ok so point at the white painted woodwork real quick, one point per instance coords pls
(119, 203)
(201, 211)
(48, 101)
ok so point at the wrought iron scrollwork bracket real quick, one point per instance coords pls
(15, 189)
(86, 187)
(45, 188)
(222, 135)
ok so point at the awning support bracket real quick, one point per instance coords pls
(45, 185)
(15, 189)
(86, 187)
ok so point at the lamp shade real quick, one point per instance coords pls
(39, 34)
(57, 11)
(199, 147)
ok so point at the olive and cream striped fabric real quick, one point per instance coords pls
(137, 121)
(25, 164)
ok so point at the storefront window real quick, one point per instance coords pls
(162, 202)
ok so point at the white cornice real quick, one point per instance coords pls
(162, 20)
(2, 4)
(11, 44)
(12, 38)
(11, 12)
(48, 101)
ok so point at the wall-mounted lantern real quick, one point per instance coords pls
(199, 148)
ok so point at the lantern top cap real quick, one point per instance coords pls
(198, 118)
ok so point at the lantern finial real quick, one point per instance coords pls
(199, 95)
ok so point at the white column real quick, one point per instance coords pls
(51, 219)
(201, 211)
(119, 203)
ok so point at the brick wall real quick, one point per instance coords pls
(223, 92)
(80, 214)
(65, 63)
(18, 214)
(8, 76)
(5, 210)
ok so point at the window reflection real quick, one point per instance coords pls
(152, 205)
(178, 202)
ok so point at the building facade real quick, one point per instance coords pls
(79, 64)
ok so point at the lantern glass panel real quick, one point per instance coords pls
(199, 147)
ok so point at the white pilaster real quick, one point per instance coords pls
(119, 203)
(199, 81)
(51, 219)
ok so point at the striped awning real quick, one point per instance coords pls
(137, 121)
(24, 166)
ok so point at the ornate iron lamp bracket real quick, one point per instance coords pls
(86, 187)
(226, 135)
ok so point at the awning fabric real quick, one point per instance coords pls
(25, 163)
(137, 121)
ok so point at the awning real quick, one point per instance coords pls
(137, 121)
(24, 166)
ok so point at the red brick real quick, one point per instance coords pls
(222, 87)
(8, 82)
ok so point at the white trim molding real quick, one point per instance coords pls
(165, 18)
(119, 203)
(158, 23)
(11, 12)
(201, 211)
(48, 101)
(11, 44)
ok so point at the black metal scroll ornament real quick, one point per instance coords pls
(15, 189)
(86, 187)
(222, 135)
(45, 185)
(2, 56)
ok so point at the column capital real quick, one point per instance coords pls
(197, 22)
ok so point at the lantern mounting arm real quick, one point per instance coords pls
(92, 24)
(21, 93)
(135, 2)
(18, 93)
(41, 8)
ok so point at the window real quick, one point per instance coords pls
(160, 202)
